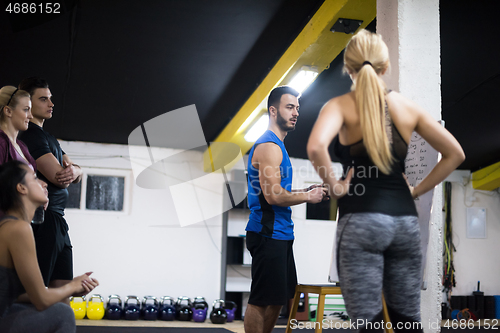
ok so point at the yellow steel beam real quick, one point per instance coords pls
(487, 178)
(316, 46)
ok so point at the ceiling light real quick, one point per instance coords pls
(257, 129)
(304, 77)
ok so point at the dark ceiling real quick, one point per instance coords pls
(113, 65)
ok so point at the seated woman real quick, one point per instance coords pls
(20, 194)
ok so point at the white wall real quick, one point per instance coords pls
(143, 251)
(476, 259)
(313, 238)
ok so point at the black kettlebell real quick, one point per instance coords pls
(218, 314)
(167, 308)
(132, 309)
(150, 308)
(184, 311)
(114, 308)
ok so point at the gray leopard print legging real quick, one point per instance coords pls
(374, 252)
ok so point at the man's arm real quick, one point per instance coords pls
(72, 173)
(49, 166)
(308, 188)
(58, 175)
(267, 158)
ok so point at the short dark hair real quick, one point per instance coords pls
(32, 83)
(275, 95)
(11, 174)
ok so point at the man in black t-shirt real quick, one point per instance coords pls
(53, 246)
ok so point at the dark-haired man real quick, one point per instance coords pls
(270, 227)
(53, 246)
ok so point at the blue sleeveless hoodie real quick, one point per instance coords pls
(265, 219)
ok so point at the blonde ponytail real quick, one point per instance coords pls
(370, 102)
(367, 55)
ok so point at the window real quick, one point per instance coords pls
(101, 190)
(105, 192)
(75, 193)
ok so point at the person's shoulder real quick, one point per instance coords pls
(398, 101)
(33, 135)
(14, 229)
(4, 139)
(4, 147)
(267, 136)
(394, 96)
(342, 98)
(341, 101)
(268, 145)
(268, 151)
(32, 131)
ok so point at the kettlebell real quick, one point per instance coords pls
(79, 306)
(200, 308)
(114, 308)
(132, 308)
(183, 309)
(167, 308)
(150, 308)
(218, 314)
(230, 308)
(95, 307)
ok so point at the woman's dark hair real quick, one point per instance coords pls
(11, 174)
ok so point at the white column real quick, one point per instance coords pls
(411, 30)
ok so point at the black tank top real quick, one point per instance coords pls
(372, 191)
(10, 285)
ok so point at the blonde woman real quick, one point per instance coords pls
(15, 114)
(378, 239)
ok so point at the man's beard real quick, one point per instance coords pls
(282, 123)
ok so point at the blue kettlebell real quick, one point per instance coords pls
(114, 307)
(218, 314)
(132, 309)
(183, 308)
(150, 308)
(230, 308)
(167, 308)
(200, 308)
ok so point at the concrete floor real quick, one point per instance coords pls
(235, 326)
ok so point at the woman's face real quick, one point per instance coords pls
(37, 189)
(21, 114)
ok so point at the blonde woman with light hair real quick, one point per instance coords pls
(15, 114)
(378, 236)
